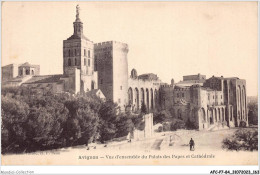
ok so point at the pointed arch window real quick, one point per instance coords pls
(95, 66)
(69, 62)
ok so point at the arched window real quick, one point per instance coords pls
(69, 62)
(27, 72)
(85, 52)
(89, 53)
(75, 61)
(92, 85)
(95, 65)
(69, 53)
(75, 52)
(88, 62)
(32, 72)
(85, 61)
(179, 114)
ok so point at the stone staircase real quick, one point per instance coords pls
(217, 127)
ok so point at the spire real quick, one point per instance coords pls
(78, 25)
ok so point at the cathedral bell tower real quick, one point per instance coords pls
(78, 25)
(78, 58)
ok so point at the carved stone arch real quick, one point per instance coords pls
(137, 98)
(130, 96)
(203, 114)
(92, 85)
(219, 114)
(179, 113)
(152, 98)
(142, 96)
(147, 99)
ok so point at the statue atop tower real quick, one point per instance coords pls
(77, 13)
(78, 59)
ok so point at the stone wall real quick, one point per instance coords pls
(140, 91)
(10, 71)
(148, 129)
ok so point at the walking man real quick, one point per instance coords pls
(192, 143)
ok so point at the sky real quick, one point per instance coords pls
(170, 39)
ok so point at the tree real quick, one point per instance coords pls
(108, 115)
(143, 108)
(124, 125)
(189, 124)
(82, 125)
(43, 129)
(14, 115)
(253, 113)
(177, 124)
(243, 139)
(32, 122)
(161, 116)
(138, 122)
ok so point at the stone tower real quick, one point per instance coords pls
(112, 66)
(78, 59)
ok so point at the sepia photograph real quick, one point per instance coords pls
(129, 83)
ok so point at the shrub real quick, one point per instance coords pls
(160, 129)
(242, 124)
(143, 108)
(253, 113)
(243, 139)
(161, 116)
(166, 126)
(124, 125)
(189, 124)
(177, 124)
(138, 122)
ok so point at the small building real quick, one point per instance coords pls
(96, 93)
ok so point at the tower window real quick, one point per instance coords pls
(92, 85)
(88, 62)
(85, 61)
(75, 52)
(32, 72)
(69, 62)
(75, 61)
(84, 52)
(89, 53)
(95, 66)
(182, 94)
(101, 81)
(69, 53)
